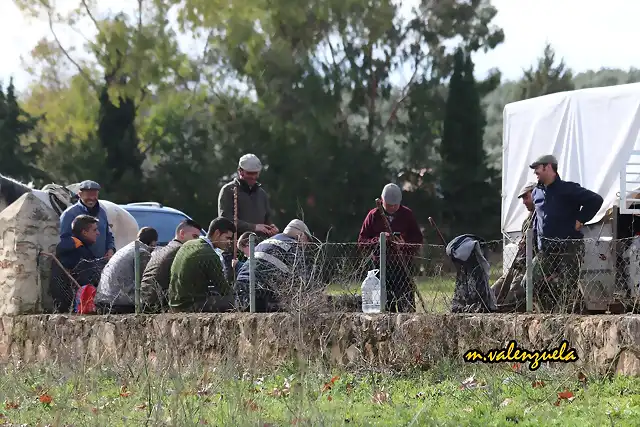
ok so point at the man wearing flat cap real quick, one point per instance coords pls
(404, 241)
(561, 209)
(509, 288)
(88, 204)
(254, 210)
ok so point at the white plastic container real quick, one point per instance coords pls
(371, 292)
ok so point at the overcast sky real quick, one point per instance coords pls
(588, 34)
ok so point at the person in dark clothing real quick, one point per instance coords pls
(88, 204)
(243, 252)
(197, 281)
(155, 278)
(254, 210)
(561, 210)
(281, 272)
(76, 256)
(400, 253)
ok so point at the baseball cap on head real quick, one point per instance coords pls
(524, 190)
(544, 160)
(250, 163)
(392, 194)
(89, 185)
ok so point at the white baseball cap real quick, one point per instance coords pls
(250, 163)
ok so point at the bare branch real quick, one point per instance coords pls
(86, 8)
(66, 53)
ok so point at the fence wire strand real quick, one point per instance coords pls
(568, 276)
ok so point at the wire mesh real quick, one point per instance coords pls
(568, 276)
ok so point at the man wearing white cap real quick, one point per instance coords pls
(280, 268)
(509, 288)
(254, 210)
(403, 244)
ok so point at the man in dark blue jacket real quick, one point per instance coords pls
(88, 205)
(76, 257)
(561, 210)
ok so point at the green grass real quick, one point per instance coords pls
(497, 396)
(436, 291)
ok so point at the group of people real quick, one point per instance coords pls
(558, 210)
(196, 272)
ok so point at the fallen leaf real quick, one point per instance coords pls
(380, 397)
(276, 392)
(45, 399)
(565, 395)
(251, 405)
(124, 392)
(582, 377)
(537, 384)
(11, 405)
(505, 402)
(141, 407)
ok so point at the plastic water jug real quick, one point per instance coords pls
(371, 292)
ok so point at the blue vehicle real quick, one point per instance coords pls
(152, 214)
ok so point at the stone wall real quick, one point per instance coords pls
(604, 343)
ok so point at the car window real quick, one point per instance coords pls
(165, 223)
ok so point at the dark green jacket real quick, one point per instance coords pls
(195, 267)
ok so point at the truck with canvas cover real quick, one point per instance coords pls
(595, 135)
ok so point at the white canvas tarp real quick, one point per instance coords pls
(592, 132)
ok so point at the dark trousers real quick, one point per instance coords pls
(212, 304)
(102, 308)
(556, 276)
(400, 289)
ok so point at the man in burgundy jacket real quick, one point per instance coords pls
(401, 248)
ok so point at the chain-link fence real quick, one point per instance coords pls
(469, 275)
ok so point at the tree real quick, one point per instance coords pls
(547, 78)
(19, 148)
(471, 200)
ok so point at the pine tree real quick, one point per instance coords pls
(471, 199)
(19, 144)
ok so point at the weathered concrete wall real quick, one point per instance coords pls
(606, 343)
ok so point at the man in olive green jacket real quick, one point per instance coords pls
(197, 280)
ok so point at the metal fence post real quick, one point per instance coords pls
(383, 272)
(136, 267)
(529, 265)
(252, 273)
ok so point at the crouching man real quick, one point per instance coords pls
(279, 269)
(76, 255)
(510, 287)
(197, 282)
(116, 291)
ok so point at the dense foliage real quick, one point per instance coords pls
(308, 87)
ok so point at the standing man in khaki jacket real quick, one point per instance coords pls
(254, 210)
